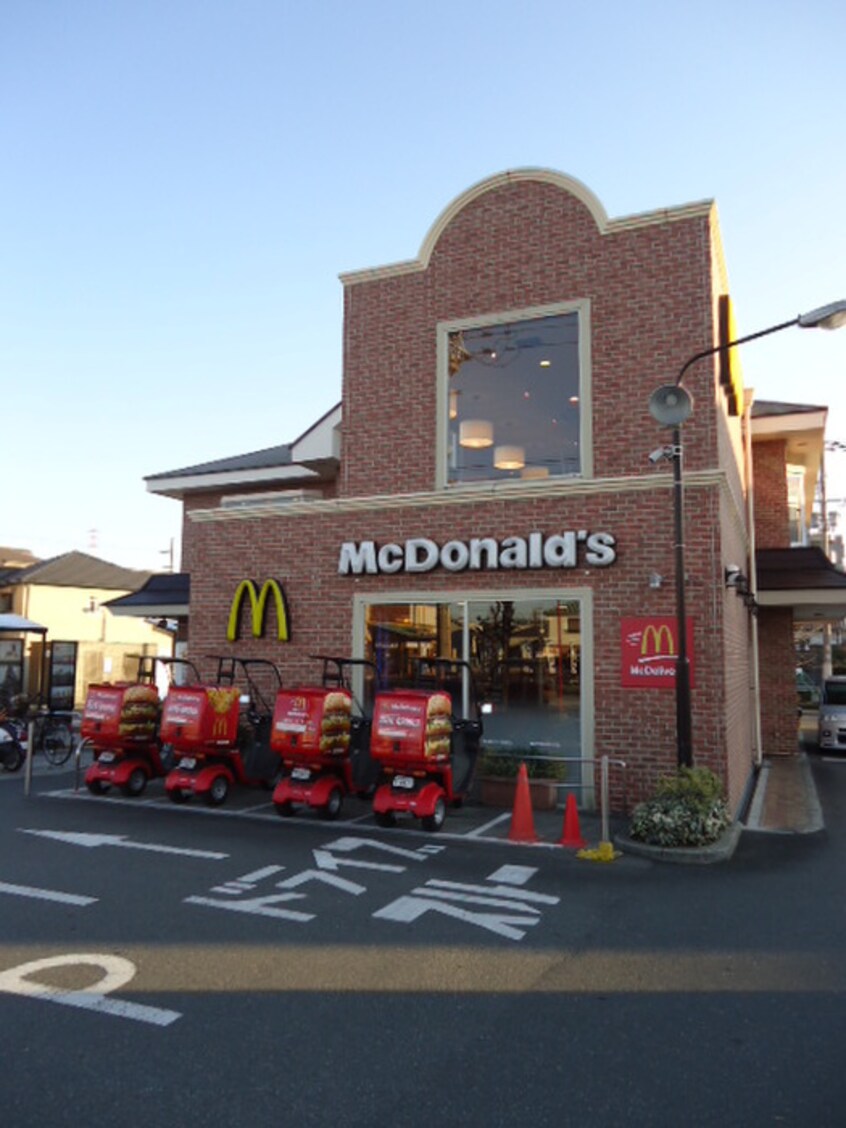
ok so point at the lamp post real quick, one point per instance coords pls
(671, 405)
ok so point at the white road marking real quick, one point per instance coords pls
(513, 875)
(117, 971)
(75, 838)
(435, 895)
(481, 830)
(46, 894)
(408, 909)
(501, 890)
(349, 842)
(258, 906)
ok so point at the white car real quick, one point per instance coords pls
(832, 722)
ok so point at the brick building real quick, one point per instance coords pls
(485, 490)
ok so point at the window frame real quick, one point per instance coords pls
(581, 308)
(585, 597)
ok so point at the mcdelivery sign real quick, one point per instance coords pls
(420, 554)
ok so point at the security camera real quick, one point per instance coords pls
(659, 454)
(733, 572)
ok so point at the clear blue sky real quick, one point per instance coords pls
(183, 181)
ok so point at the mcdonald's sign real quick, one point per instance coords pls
(649, 650)
(258, 609)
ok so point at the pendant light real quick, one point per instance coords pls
(509, 457)
(475, 433)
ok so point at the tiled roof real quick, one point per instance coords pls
(78, 569)
(256, 460)
(164, 595)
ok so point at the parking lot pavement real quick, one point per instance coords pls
(470, 820)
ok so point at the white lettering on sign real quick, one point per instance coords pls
(420, 554)
(509, 911)
(117, 972)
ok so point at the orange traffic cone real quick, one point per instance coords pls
(522, 819)
(572, 835)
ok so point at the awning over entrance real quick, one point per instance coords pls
(19, 624)
(165, 595)
(802, 579)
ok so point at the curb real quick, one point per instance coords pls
(719, 851)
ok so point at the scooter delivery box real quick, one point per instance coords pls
(200, 715)
(312, 721)
(411, 725)
(120, 713)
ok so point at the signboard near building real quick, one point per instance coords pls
(649, 651)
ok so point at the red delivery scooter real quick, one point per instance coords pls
(120, 722)
(219, 734)
(322, 734)
(426, 740)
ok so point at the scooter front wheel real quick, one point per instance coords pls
(334, 802)
(136, 783)
(436, 820)
(218, 791)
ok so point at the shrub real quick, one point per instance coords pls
(687, 809)
(505, 765)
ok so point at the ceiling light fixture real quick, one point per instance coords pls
(475, 433)
(509, 457)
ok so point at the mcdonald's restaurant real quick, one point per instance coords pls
(501, 482)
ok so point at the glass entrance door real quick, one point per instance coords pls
(525, 655)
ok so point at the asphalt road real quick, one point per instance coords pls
(225, 968)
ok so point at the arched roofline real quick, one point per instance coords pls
(560, 180)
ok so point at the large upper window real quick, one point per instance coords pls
(513, 399)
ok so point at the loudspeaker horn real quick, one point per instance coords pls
(670, 405)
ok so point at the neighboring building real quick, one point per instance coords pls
(493, 496)
(83, 642)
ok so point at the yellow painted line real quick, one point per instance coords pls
(439, 970)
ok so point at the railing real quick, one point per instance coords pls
(580, 784)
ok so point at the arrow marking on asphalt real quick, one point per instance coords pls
(75, 838)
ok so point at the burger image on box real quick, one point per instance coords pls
(139, 712)
(335, 723)
(312, 720)
(120, 712)
(438, 726)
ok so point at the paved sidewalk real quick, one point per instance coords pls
(785, 799)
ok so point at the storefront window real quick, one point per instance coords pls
(513, 399)
(525, 655)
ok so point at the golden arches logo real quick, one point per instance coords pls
(658, 636)
(258, 609)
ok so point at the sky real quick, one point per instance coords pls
(182, 182)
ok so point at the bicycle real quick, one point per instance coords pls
(52, 733)
(54, 737)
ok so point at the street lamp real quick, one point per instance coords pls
(670, 405)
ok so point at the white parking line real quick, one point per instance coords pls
(480, 830)
(46, 894)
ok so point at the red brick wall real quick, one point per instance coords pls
(772, 516)
(521, 245)
(778, 682)
(652, 297)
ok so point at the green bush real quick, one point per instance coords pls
(687, 809)
(505, 765)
